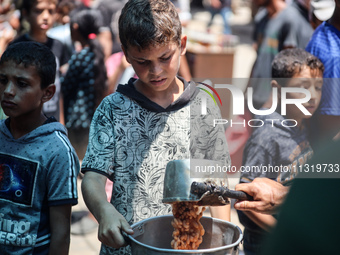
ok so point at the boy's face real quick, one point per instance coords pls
(41, 16)
(310, 80)
(156, 67)
(20, 90)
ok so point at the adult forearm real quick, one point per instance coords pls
(268, 195)
(264, 221)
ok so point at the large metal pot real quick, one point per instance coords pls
(153, 237)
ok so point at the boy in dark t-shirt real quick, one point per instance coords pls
(38, 166)
(39, 14)
(279, 146)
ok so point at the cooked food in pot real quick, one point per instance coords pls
(188, 231)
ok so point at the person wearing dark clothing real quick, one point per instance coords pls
(39, 14)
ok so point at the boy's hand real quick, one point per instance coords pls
(111, 226)
(111, 222)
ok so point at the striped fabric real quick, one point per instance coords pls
(325, 44)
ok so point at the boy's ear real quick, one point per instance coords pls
(75, 26)
(183, 44)
(274, 84)
(48, 93)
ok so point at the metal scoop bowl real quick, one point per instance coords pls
(206, 191)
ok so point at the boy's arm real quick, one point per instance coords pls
(220, 212)
(60, 229)
(111, 222)
(330, 127)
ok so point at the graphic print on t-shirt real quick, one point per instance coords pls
(17, 179)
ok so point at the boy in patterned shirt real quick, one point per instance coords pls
(38, 166)
(148, 122)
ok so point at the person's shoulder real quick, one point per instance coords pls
(3, 129)
(326, 32)
(55, 43)
(261, 15)
(21, 38)
(320, 40)
(117, 97)
(322, 29)
(290, 10)
(57, 145)
(54, 132)
(268, 128)
(201, 93)
(115, 102)
(291, 15)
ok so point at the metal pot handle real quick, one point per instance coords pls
(126, 237)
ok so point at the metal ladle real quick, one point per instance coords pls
(179, 186)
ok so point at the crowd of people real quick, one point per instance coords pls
(67, 106)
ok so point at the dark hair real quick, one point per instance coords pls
(288, 62)
(145, 23)
(89, 22)
(27, 4)
(33, 54)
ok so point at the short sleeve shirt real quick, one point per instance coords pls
(132, 145)
(325, 44)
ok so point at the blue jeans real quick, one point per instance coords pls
(225, 12)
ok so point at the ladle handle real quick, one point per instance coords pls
(201, 187)
(236, 194)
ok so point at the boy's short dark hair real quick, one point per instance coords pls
(33, 54)
(145, 23)
(27, 4)
(288, 62)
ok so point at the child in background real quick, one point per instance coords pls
(61, 28)
(9, 23)
(83, 88)
(281, 142)
(40, 16)
(84, 85)
(145, 124)
(38, 166)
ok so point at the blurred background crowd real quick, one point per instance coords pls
(83, 34)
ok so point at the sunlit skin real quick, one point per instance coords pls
(156, 69)
(310, 80)
(21, 96)
(41, 18)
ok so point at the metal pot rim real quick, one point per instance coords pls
(187, 251)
